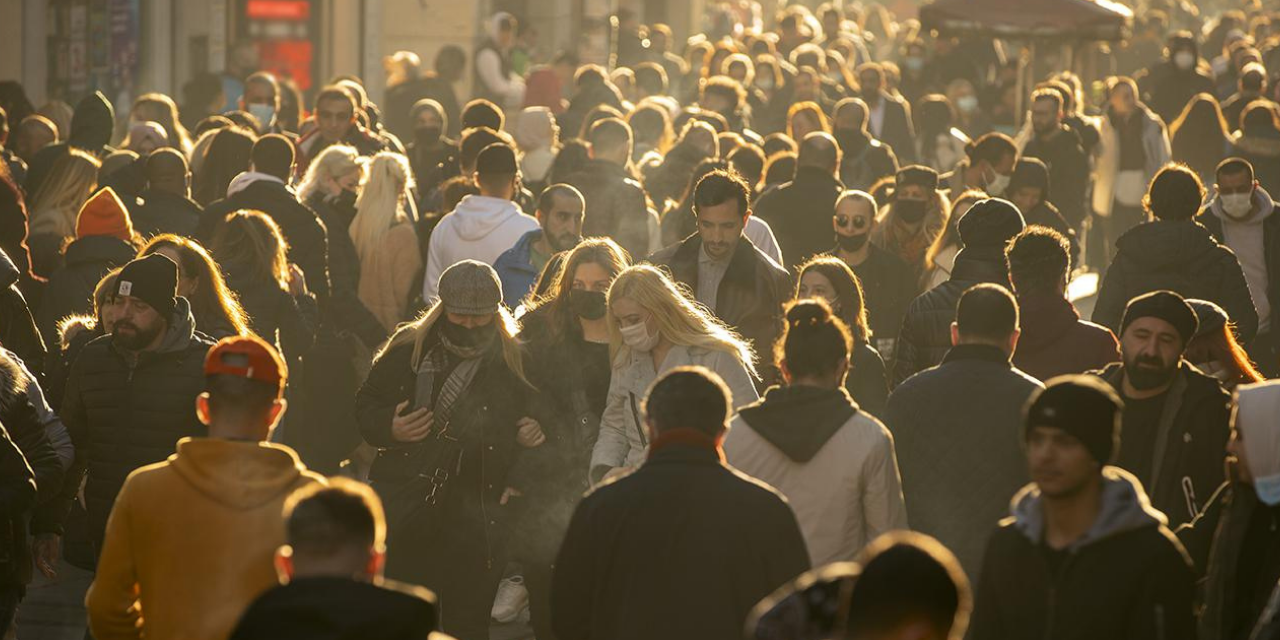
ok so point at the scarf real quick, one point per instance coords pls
(437, 362)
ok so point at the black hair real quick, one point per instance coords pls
(482, 113)
(609, 134)
(748, 161)
(819, 150)
(814, 341)
(333, 92)
(720, 186)
(1175, 193)
(273, 155)
(688, 398)
(991, 147)
(324, 521)
(908, 577)
(1233, 166)
(987, 312)
(1038, 259)
(651, 78)
(547, 199)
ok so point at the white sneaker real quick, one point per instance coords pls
(512, 599)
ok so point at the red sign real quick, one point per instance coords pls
(287, 10)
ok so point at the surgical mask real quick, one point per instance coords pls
(588, 305)
(852, 243)
(1184, 59)
(910, 211)
(967, 104)
(1268, 489)
(997, 185)
(765, 82)
(265, 113)
(914, 63)
(1237, 205)
(637, 337)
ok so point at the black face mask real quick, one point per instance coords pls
(469, 337)
(426, 136)
(345, 198)
(910, 211)
(852, 243)
(588, 305)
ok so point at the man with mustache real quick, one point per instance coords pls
(1175, 418)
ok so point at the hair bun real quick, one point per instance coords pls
(808, 313)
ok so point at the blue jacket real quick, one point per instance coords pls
(516, 270)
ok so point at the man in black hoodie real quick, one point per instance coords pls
(1059, 148)
(799, 212)
(333, 568)
(92, 125)
(865, 160)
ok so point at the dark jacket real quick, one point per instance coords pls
(1055, 341)
(23, 423)
(302, 229)
(1068, 171)
(616, 206)
(345, 312)
(13, 223)
(18, 331)
(955, 427)
(432, 166)
(1167, 89)
(800, 212)
(163, 212)
(897, 129)
(1262, 150)
(731, 539)
(1180, 256)
(275, 315)
(92, 124)
(751, 294)
(515, 269)
(17, 496)
(1268, 627)
(888, 287)
(1127, 578)
(1239, 517)
(1212, 219)
(1191, 444)
(926, 330)
(123, 415)
(70, 290)
(325, 608)
(867, 381)
(865, 160)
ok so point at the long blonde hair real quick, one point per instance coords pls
(334, 162)
(680, 320)
(381, 202)
(72, 179)
(415, 332)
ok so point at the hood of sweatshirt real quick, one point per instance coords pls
(799, 420)
(246, 178)
(1125, 508)
(239, 475)
(477, 216)
(1257, 406)
(1176, 246)
(1261, 199)
(92, 122)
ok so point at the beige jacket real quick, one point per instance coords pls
(387, 277)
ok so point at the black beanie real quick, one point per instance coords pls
(152, 279)
(990, 223)
(1167, 306)
(1083, 406)
(916, 174)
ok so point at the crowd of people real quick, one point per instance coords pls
(775, 331)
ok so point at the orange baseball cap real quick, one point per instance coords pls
(246, 357)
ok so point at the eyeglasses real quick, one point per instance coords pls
(858, 223)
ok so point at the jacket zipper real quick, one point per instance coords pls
(1051, 618)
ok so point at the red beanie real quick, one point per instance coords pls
(104, 215)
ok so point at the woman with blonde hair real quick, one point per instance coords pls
(385, 240)
(161, 109)
(215, 308)
(54, 207)
(447, 404)
(654, 327)
(251, 250)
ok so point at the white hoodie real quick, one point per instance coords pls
(480, 228)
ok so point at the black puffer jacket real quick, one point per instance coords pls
(1180, 256)
(18, 331)
(70, 290)
(124, 415)
(926, 330)
(23, 422)
(616, 206)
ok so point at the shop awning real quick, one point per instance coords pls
(1057, 19)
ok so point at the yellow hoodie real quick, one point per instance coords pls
(190, 541)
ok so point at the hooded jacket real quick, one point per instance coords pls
(70, 290)
(835, 465)
(123, 415)
(336, 608)
(18, 331)
(1127, 578)
(480, 228)
(1180, 256)
(1055, 341)
(1266, 297)
(195, 571)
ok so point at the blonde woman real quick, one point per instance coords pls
(655, 327)
(385, 240)
(447, 404)
(160, 109)
(71, 180)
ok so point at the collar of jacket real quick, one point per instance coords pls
(976, 352)
(741, 270)
(178, 335)
(686, 444)
(522, 253)
(809, 175)
(981, 265)
(1124, 508)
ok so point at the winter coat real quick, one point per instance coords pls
(13, 223)
(301, 227)
(275, 315)
(865, 160)
(1191, 443)
(194, 571)
(1213, 219)
(70, 290)
(888, 287)
(122, 416)
(1168, 89)
(345, 313)
(1055, 341)
(1155, 144)
(515, 269)
(26, 425)
(834, 463)
(1127, 578)
(867, 380)
(896, 129)
(162, 212)
(387, 277)
(616, 206)
(1262, 150)
(800, 213)
(1068, 172)
(339, 608)
(92, 126)
(731, 540)
(623, 440)
(750, 296)
(18, 331)
(17, 496)
(480, 228)
(956, 430)
(1180, 256)
(926, 330)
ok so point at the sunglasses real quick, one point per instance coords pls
(858, 223)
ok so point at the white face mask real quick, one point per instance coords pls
(1184, 59)
(967, 104)
(1237, 205)
(997, 185)
(265, 113)
(637, 337)
(1268, 489)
